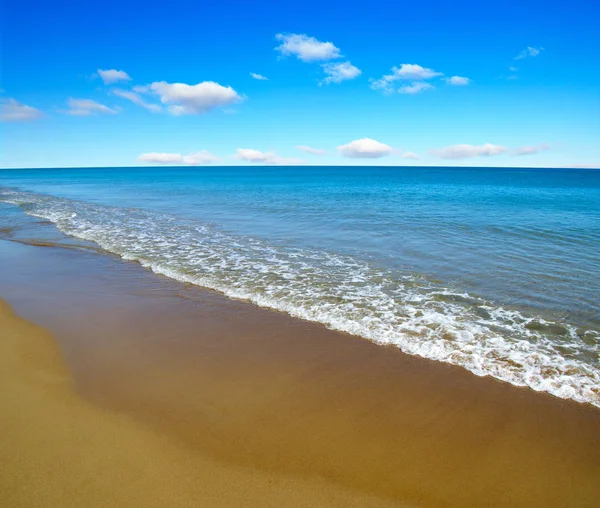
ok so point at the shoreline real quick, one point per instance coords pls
(277, 394)
(542, 350)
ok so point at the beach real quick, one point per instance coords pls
(154, 392)
(59, 450)
(300, 255)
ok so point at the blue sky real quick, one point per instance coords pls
(120, 83)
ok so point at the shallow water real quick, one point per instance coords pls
(495, 270)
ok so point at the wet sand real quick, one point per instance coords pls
(252, 388)
(58, 450)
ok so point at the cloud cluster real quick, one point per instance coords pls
(338, 72)
(310, 49)
(258, 157)
(183, 99)
(111, 76)
(411, 72)
(469, 151)
(193, 159)
(406, 72)
(313, 151)
(418, 78)
(305, 48)
(365, 148)
(87, 107)
(260, 77)
(12, 110)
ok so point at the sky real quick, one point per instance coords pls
(435, 83)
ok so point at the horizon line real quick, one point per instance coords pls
(199, 166)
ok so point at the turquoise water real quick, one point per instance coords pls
(496, 270)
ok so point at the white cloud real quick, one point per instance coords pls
(529, 52)
(183, 99)
(87, 107)
(258, 76)
(468, 151)
(338, 72)
(458, 81)
(406, 72)
(528, 150)
(416, 87)
(110, 76)
(414, 72)
(193, 159)
(365, 148)
(258, 157)
(201, 157)
(411, 155)
(13, 111)
(308, 149)
(513, 69)
(250, 155)
(136, 99)
(307, 49)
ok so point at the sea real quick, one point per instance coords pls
(496, 270)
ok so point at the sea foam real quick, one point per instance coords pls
(387, 307)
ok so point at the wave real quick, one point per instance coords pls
(417, 315)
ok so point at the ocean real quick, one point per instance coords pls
(495, 270)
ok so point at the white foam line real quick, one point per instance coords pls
(340, 292)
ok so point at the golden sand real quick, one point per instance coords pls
(59, 451)
(236, 405)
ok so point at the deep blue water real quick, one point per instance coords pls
(497, 270)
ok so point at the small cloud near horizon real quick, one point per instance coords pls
(365, 148)
(270, 158)
(410, 155)
(531, 149)
(464, 151)
(313, 151)
(194, 159)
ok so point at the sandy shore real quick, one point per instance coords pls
(267, 410)
(57, 450)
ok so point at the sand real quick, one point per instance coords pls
(57, 450)
(270, 410)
